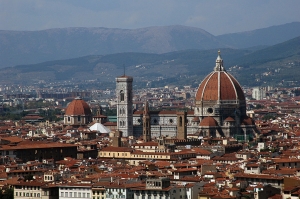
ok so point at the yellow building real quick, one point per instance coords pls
(136, 156)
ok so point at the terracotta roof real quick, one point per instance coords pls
(13, 139)
(151, 143)
(229, 119)
(208, 121)
(219, 85)
(117, 149)
(125, 76)
(78, 107)
(196, 119)
(247, 121)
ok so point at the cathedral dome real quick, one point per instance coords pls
(78, 107)
(219, 86)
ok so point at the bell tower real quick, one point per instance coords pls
(182, 125)
(124, 105)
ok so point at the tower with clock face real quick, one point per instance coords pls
(124, 105)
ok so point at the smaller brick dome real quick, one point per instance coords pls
(78, 107)
(229, 119)
(208, 121)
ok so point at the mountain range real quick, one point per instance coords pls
(154, 56)
(30, 47)
(252, 67)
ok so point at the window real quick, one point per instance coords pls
(62, 194)
(70, 193)
(79, 195)
(121, 95)
(66, 194)
(88, 195)
(75, 194)
(78, 118)
(83, 195)
(69, 119)
(16, 193)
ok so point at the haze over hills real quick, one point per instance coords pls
(186, 67)
(28, 47)
(265, 36)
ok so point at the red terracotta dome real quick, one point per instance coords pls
(219, 85)
(208, 121)
(78, 107)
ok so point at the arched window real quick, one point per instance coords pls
(180, 121)
(121, 95)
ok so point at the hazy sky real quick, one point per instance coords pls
(215, 16)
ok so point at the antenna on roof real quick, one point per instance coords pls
(124, 68)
